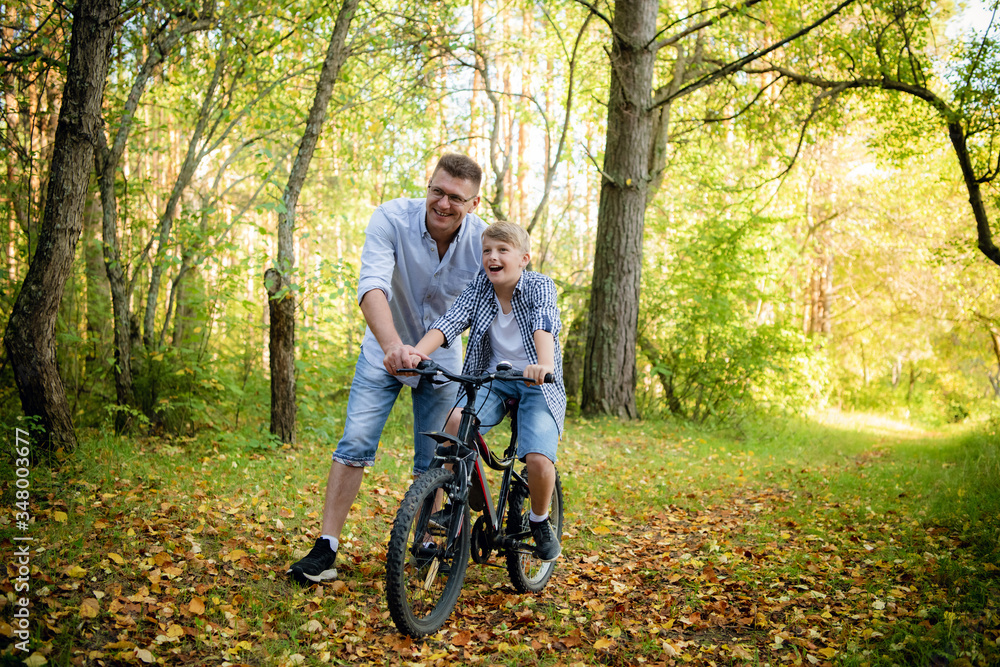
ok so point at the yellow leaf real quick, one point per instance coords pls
(144, 655)
(89, 608)
(175, 631)
(76, 571)
(602, 644)
(601, 530)
(59, 516)
(35, 660)
(100, 525)
(828, 652)
(116, 558)
(234, 555)
(197, 606)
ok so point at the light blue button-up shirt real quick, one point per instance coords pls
(401, 259)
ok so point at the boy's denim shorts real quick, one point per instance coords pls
(537, 431)
(373, 393)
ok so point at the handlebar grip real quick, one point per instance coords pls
(549, 378)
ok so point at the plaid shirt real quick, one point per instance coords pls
(534, 304)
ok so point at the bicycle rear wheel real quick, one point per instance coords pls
(527, 572)
(424, 574)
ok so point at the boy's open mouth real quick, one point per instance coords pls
(495, 269)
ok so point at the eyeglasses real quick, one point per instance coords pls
(437, 193)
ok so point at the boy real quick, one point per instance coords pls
(512, 316)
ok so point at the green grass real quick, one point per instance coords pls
(681, 545)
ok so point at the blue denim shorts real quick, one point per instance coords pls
(537, 432)
(373, 393)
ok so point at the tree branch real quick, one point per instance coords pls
(747, 59)
(597, 12)
(657, 45)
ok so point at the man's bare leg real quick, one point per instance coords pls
(342, 486)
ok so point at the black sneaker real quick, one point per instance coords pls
(317, 566)
(547, 547)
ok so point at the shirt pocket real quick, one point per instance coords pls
(453, 282)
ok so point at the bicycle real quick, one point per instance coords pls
(429, 548)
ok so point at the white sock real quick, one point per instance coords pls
(536, 518)
(334, 542)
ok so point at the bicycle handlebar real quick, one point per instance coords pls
(504, 372)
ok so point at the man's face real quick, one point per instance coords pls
(449, 199)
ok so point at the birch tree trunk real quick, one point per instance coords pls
(278, 279)
(30, 336)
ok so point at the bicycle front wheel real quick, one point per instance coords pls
(527, 572)
(423, 572)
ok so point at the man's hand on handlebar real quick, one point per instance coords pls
(401, 357)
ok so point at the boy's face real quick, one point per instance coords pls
(503, 262)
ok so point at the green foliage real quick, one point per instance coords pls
(710, 334)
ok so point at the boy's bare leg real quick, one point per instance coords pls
(541, 482)
(342, 486)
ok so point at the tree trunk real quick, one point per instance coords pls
(98, 293)
(609, 378)
(30, 337)
(107, 159)
(282, 308)
(192, 159)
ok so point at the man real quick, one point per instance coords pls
(419, 255)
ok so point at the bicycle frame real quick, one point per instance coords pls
(467, 452)
(432, 540)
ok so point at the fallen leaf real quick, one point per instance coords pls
(89, 608)
(61, 517)
(75, 571)
(144, 655)
(234, 555)
(116, 558)
(197, 606)
(602, 644)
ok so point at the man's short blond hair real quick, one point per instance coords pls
(509, 233)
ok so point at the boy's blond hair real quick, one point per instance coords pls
(508, 232)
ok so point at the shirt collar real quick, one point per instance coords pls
(427, 235)
(520, 282)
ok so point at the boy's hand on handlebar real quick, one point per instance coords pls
(537, 373)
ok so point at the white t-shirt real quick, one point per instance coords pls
(505, 340)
